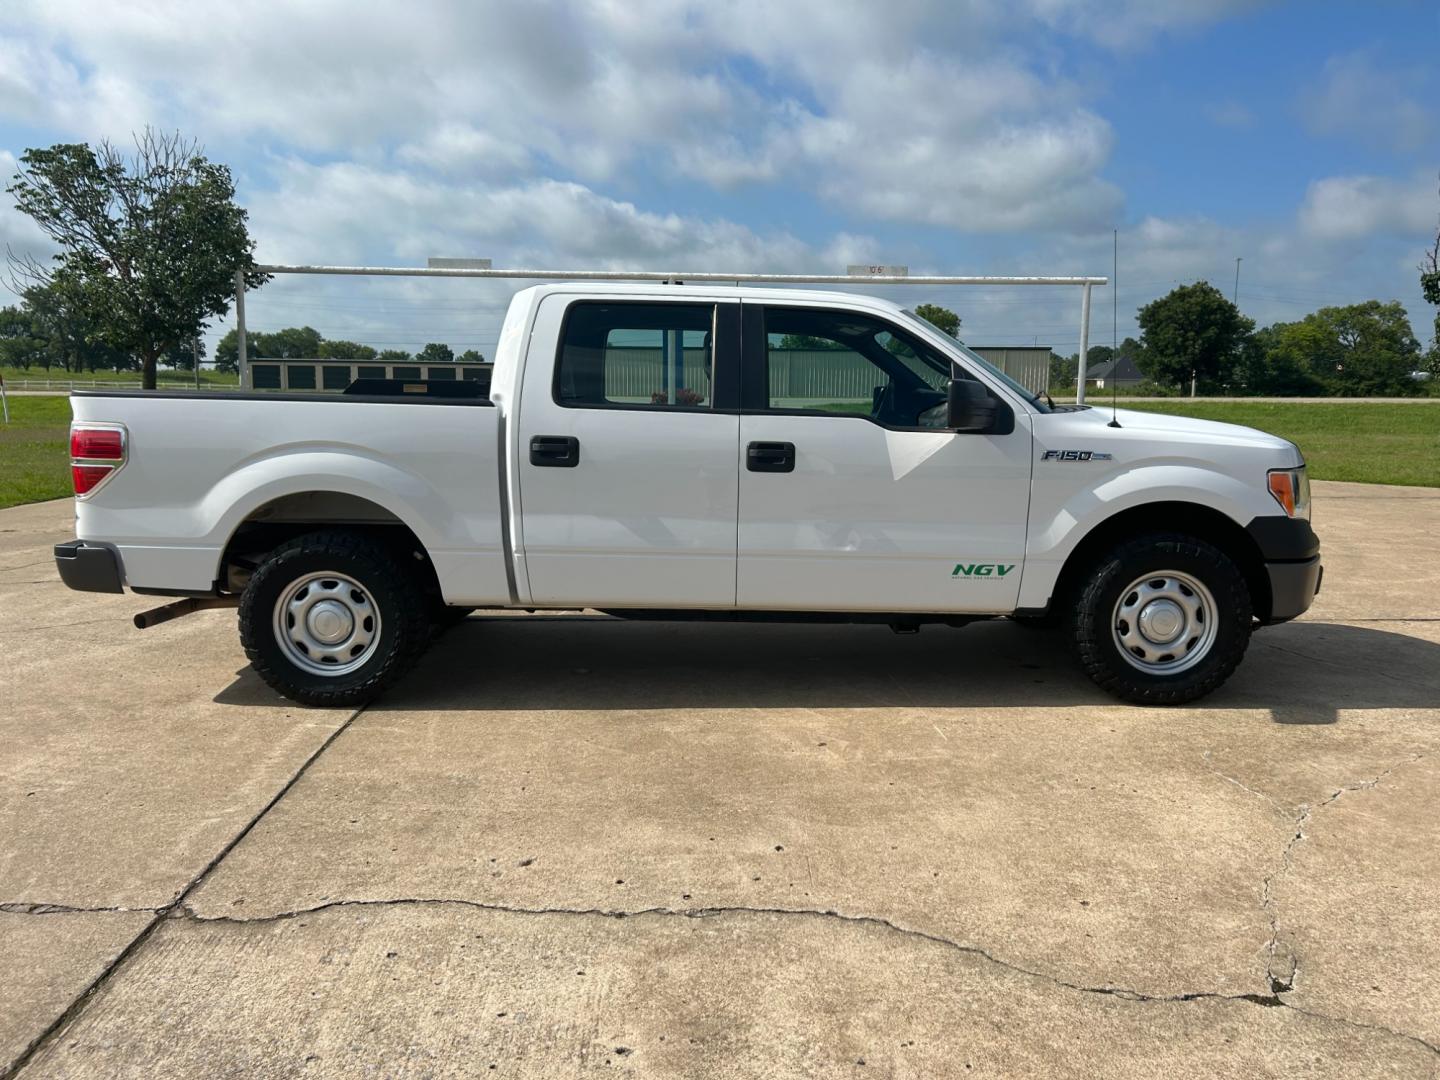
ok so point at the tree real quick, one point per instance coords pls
(1195, 330)
(292, 343)
(345, 350)
(20, 345)
(394, 356)
(1063, 369)
(470, 356)
(182, 356)
(435, 354)
(227, 352)
(149, 246)
(1430, 289)
(940, 318)
(1269, 364)
(66, 333)
(1361, 350)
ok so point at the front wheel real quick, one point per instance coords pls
(333, 618)
(1164, 619)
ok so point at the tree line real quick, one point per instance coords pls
(46, 334)
(1195, 332)
(306, 343)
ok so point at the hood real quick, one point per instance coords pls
(1183, 428)
(1156, 436)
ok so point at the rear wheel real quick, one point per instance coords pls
(333, 618)
(1164, 619)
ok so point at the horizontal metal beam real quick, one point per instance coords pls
(677, 276)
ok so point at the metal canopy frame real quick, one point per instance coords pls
(671, 277)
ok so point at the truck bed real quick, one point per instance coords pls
(202, 463)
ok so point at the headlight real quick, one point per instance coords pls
(1291, 488)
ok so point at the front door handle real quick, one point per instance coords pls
(770, 457)
(555, 451)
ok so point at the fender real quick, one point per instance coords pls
(288, 471)
(1051, 540)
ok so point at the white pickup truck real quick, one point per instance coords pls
(672, 452)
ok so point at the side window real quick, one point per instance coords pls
(636, 355)
(850, 363)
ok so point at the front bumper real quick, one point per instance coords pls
(88, 567)
(1291, 551)
(1293, 585)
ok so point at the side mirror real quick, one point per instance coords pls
(969, 407)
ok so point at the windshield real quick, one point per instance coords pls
(979, 361)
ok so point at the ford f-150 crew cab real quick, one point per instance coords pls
(664, 451)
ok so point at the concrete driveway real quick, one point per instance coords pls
(567, 846)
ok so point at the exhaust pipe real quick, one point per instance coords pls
(190, 604)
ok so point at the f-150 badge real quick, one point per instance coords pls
(1075, 455)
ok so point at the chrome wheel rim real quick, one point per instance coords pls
(1164, 623)
(327, 623)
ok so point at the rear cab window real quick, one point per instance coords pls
(636, 356)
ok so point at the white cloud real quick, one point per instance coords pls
(1357, 207)
(344, 211)
(921, 112)
(1377, 105)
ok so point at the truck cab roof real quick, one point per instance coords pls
(712, 291)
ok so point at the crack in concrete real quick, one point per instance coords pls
(77, 1006)
(1271, 1000)
(24, 907)
(1283, 981)
(1243, 786)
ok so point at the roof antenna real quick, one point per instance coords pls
(1115, 333)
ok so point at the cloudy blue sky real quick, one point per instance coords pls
(969, 136)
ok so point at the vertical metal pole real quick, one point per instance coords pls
(1084, 346)
(240, 330)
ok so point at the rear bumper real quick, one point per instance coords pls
(88, 568)
(1293, 586)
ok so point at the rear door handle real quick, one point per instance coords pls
(770, 457)
(555, 451)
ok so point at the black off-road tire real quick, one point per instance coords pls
(1101, 656)
(404, 630)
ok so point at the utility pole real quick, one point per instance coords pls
(1235, 296)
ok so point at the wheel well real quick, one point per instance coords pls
(1199, 521)
(283, 519)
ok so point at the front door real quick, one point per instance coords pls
(626, 461)
(853, 496)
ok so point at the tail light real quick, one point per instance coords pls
(97, 452)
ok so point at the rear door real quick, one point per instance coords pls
(627, 453)
(853, 495)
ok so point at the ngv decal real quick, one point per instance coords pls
(1075, 455)
(981, 570)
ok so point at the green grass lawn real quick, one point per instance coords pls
(1371, 444)
(35, 451)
